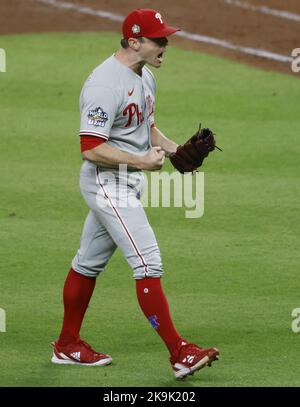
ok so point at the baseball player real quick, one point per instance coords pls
(118, 132)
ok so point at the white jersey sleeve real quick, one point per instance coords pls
(117, 105)
(98, 109)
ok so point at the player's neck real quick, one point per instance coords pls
(130, 60)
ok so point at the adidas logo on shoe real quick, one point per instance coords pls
(192, 358)
(78, 353)
(75, 355)
(189, 359)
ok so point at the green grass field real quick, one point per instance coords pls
(231, 277)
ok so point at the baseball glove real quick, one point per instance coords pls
(189, 156)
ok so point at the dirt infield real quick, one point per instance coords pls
(219, 19)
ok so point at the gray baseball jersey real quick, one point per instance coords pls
(117, 105)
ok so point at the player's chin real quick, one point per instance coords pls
(156, 62)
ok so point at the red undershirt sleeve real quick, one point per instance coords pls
(90, 142)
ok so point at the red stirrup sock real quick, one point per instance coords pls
(155, 306)
(78, 290)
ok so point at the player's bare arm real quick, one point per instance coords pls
(112, 156)
(159, 139)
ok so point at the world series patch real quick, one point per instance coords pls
(97, 117)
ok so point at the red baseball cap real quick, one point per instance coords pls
(145, 22)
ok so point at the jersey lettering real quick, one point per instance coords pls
(150, 106)
(131, 111)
